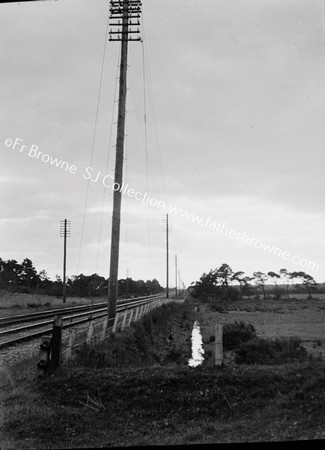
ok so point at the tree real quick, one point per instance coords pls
(260, 280)
(9, 273)
(275, 277)
(247, 288)
(286, 277)
(97, 285)
(154, 287)
(28, 276)
(239, 276)
(44, 282)
(224, 275)
(206, 287)
(307, 280)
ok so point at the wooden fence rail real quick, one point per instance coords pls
(95, 330)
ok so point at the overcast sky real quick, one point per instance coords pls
(233, 93)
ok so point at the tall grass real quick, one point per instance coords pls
(17, 300)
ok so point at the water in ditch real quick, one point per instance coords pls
(197, 346)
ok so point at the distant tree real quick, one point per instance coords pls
(44, 282)
(97, 285)
(306, 280)
(127, 288)
(83, 285)
(275, 278)
(286, 277)
(9, 274)
(57, 286)
(260, 280)
(247, 288)
(224, 275)
(142, 289)
(215, 285)
(28, 276)
(206, 287)
(240, 278)
(153, 287)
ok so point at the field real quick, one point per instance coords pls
(127, 398)
(12, 304)
(273, 318)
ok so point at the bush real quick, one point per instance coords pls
(234, 334)
(32, 305)
(229, 294)
(267, 351)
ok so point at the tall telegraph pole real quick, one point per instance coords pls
(124, 16)
(64, 232)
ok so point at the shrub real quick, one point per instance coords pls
(234, 334)
(31, 305)
(229, 294)
(267, 351)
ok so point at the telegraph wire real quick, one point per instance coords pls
(146, 143)
(107, 162)
(93, 140)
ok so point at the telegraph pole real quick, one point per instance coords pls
(122, 15)
(167, 257)
(65, 231)
(176, 276)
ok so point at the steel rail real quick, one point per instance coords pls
(91, 315)
(5, 321)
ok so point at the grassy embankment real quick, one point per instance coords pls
(13, 303)
(137, 389)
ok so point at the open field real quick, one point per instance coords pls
(273, 318)
(17, 303)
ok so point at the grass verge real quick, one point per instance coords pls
(163, 405)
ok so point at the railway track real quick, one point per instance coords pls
(40, 324)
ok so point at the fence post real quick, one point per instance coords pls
(72, 338)
(103, 334)
(136, 314)
(56, 343)
(218, 345)
(124, 318)
(115, 322)
(130, 318)
(90, 331)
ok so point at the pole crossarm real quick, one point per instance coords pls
(65, 228)
(121, 10)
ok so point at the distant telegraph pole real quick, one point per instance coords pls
(176, 276)
(167, 257)
(124, 16)
(65, 231)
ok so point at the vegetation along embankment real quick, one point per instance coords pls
(136, 389)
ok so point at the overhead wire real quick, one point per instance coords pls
(107, 164)
(153, 111)
(146, 144)
(93, 140)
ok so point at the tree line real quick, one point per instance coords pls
(16, 277)
(220, 283)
